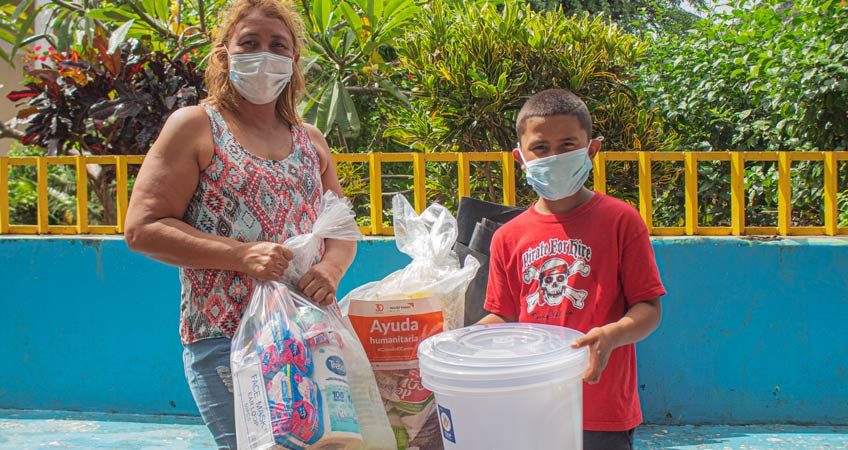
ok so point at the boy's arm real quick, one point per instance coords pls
(640, 321)
(496, 318)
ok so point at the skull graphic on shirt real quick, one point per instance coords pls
(553, 278)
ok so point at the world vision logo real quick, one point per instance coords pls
(401, 308)
(394, 308)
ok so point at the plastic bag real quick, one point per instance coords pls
(336, 220)
(392, 316)
(301, 379)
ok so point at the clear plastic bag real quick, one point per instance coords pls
(301, 378)
(434, 271)
(393, 315)
(336, 220)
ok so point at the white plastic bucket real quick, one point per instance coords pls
(507, 386)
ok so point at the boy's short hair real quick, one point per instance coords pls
(554, 102)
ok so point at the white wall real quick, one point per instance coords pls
(11, 79)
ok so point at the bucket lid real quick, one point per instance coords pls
(500, 356)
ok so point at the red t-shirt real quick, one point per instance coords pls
(580, 270)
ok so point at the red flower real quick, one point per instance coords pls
(186, 58)
(38, 48)
(51, 48)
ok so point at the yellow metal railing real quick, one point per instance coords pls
(463, 160)
(737, 190)
(419, 160)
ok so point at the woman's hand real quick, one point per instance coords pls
(264, 261)
(321, 282)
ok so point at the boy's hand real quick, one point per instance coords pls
(600, 345)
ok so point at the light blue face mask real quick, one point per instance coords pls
(559, 176)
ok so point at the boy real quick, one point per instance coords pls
(578, 259)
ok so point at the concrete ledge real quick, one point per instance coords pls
(753, 331)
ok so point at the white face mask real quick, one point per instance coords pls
(260, 77)
(559, 176)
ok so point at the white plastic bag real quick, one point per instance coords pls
(336, 220)
(301, 379)
(393, 315)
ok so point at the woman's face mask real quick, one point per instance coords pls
(260, 77)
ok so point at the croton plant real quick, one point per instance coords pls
(102, 102)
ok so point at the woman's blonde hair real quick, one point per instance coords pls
(221, 91)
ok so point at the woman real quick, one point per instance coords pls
(228, 181)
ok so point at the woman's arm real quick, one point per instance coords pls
(165, 184)
(322, 280)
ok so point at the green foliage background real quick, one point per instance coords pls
(449, 75)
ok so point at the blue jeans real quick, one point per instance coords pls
(207, 370)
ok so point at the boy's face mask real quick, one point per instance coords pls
(260, 77)
(559, 176)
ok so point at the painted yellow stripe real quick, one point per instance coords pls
(712, 156)
(599, 174)
(737, 193)
(737, 161)
(55, 160)
(762, 231)
(622, 156)
(805, 156)
(82, 195)
(397, 157)
(807, 231)
(105, 160)
(691, 205)
(464, 176)
(484, 156)
(103, 229)
(23, 161)
(419, 179)
(668, 156)
(669, 231)
(646, 200)
(715, 231)
(41, 189)
(375, 169)
(831, 188)
(351, 157)
(134, 160)
(784, 197)
(62, 229)
(441, 157)
(4, 195)
(23, 229)
(508, 163)
(759, 156)
(122, 196)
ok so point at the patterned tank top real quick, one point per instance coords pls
(246, 198)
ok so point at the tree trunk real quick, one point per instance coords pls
(487, 169)
(100, 181)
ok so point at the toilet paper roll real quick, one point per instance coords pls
(341, 427)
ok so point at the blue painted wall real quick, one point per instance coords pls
(753, 331)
